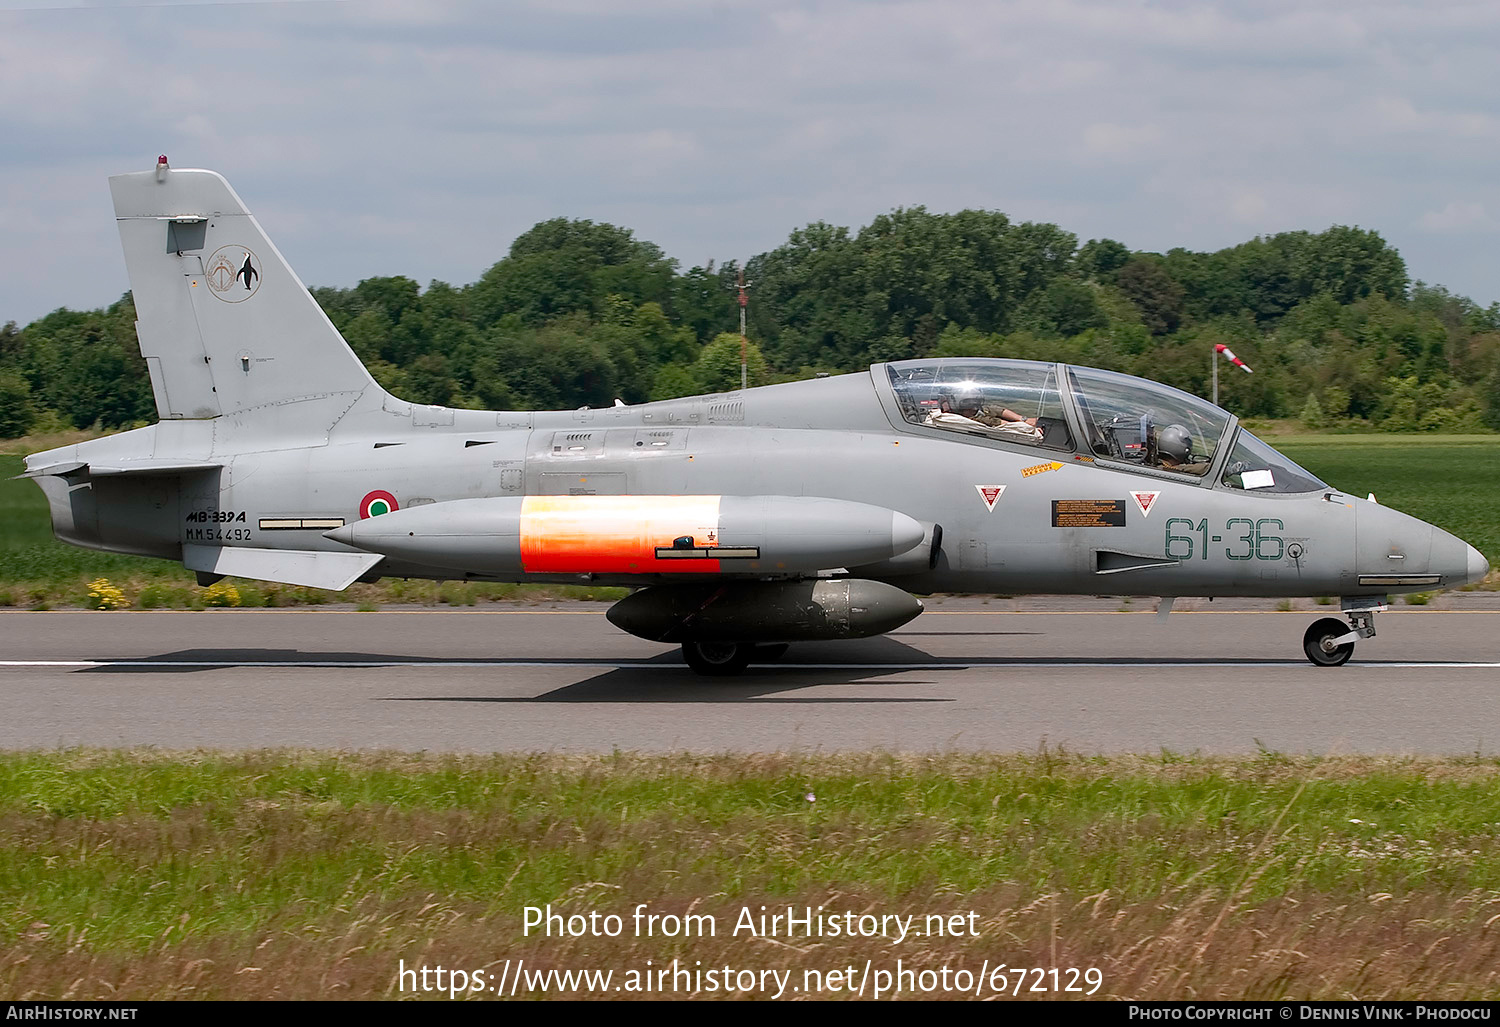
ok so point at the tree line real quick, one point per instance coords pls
(579, 313)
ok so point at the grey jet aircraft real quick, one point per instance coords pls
(743, 520)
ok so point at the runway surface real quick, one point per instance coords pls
(960, 677)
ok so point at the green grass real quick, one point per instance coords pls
(157, 875)
(1134, 825)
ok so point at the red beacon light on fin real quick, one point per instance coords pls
(161, 168)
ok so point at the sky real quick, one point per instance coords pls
(394, 137)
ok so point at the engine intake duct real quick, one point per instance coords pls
(765, 611)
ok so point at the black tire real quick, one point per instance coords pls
(1321, 631)
(717, 659)
(769, 653)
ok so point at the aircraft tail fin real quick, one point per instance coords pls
(224, 323)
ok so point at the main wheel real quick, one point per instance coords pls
(1317, 643)
(717, 659)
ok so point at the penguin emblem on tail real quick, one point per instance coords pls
(247, 272)
(227, 267)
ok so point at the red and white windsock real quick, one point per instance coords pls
(1219, 347)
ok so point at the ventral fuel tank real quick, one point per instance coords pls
(765, 611)
(759, 536)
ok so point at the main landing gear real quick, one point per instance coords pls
(726, 659)
(1330, 642)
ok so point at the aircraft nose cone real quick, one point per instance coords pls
(1479, 567)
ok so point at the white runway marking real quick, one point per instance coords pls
(644, 664)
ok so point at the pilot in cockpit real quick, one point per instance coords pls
(968, 409)
(1174, 450)
(994, 415)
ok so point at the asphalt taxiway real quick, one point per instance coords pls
(960, 677)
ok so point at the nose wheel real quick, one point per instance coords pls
(1330, 642)
(1321, 644)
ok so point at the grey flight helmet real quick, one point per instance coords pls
(968, 399)
(1175, 442)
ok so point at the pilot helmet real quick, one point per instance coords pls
(967, 401)
(1175, 442)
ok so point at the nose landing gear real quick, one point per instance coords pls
(1329, 643)
(1322, 645)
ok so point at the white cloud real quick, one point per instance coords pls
(1249, 207)
(1458, 216)
(1122, 142)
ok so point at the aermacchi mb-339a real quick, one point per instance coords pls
(743, 521)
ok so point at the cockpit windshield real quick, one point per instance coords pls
(1142, 422)
(1255, 465)
(1013, 400)
(1126, 419)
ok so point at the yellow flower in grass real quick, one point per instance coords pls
(221, 593)
(104, 596)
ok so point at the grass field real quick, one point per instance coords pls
(285, 874)
(1452, 481)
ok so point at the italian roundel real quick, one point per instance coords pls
(376, 503)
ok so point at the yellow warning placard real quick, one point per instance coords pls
(1088, 513)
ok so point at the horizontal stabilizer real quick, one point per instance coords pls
(53, 470)
(336, 571)
(135, 468)
(146, 468)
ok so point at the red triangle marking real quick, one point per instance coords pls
(990, 493)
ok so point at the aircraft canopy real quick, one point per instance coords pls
(1115, 417)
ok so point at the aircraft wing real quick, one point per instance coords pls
(333, 571)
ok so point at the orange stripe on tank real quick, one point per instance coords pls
(614, 534)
